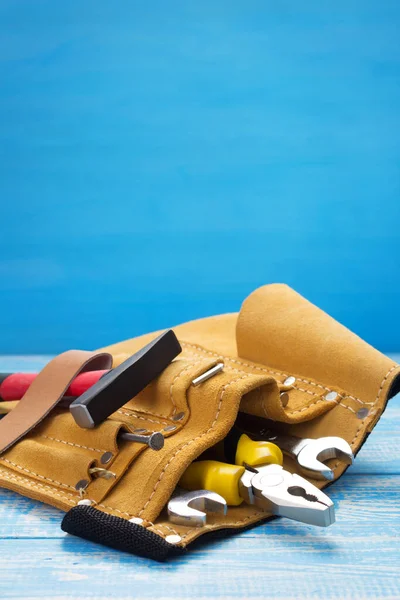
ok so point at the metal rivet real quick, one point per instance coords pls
(82, 484)
(107, 456)
(289, 381)
(331, 396)
(85, 502)
(362, 413)
(208, 374)
(179, 416)
(173, 539)
(170, 428)
(284, 396)
(136, 520)
(139, 430)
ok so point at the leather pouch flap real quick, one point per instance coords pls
(279, 328)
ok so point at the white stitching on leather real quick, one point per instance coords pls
(293, 412)
(348, 407)
(37, 474)
(47, 437)
(226, 358)
(148, 523)
(142, 418)
(384, 381)
(37, 485)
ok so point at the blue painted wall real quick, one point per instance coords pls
(159, 160)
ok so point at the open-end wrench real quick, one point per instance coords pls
(190, 508)
(308, 452)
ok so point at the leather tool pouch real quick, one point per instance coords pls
(338, 385)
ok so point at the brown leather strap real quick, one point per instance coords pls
(46, 391)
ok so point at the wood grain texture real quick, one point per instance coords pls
(358, 557)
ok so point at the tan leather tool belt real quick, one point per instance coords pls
(336, 383)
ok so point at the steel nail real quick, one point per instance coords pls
(208, 374)
(155, 441)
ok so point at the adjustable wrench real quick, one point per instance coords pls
(190, 508)
(309, 453)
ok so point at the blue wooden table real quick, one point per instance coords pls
(356, 558)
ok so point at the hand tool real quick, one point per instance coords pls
(124, 382)
(155, 441)
(268, 486)
(14, 385)
(239, 449)
(308, 452)
(190, 508)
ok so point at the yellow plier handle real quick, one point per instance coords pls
(223, 478)
(256, 454)
(214, 476)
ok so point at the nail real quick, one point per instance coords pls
(208, 374)
(155, 441)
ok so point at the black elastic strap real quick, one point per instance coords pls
(96, 526)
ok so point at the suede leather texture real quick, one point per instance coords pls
(277, 334)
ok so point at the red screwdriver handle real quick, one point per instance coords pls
(14, 385)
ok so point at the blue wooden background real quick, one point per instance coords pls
(159, 160)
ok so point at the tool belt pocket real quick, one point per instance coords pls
(64, 463)
(60, 459)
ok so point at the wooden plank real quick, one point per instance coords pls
(355, 558)
(23, 518)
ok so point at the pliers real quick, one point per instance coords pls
(308, 453)
(258, 478)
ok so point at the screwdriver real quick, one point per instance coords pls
(14, 385)
(134, 373)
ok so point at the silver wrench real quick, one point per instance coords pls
(190, 508)
(308, 452)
